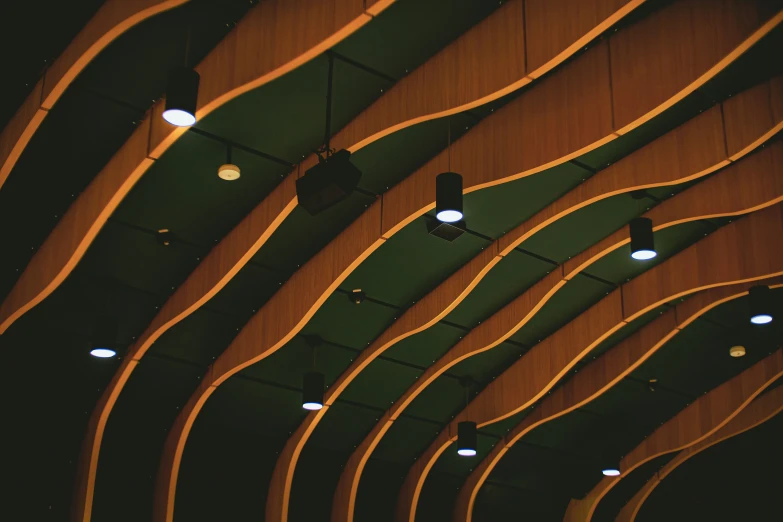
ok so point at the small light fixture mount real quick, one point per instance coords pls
(357, 296)
(737, 351)
(164, 237)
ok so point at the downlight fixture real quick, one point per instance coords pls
(611, 471)
(313, 391)
(466, 439)
(104, 338)
(181, 97)
(760, 304)
(642, 245)
(737, 351)
(448, 197)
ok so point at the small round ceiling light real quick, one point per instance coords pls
(181, 97)
(760, 304)
(104, 338)
(611, 471)
(642, 245)
(313, 391)
(737, 351)
(228, 172)
(466, 439)
(448, 197)
(610, 467)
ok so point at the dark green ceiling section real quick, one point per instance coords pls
(411, 263)
(408, 32)
(502, 502)
(54, 23)
(424, 348)
(738, 479)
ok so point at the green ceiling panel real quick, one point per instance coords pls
(245, 292)
(619, 267)
(424, 348)
(485, 366)
(301, 235)
(136, 258)
(502, 428)
(408, 32)
(406, 439)
(626, 331)
(199, 339)
(572, 299)
(496, 210)
(411, 263)
(514, 274)
(343, 322)
(381, 383)
(497, 501)
(344, 427)
(579, 230)
(183, 193)
(288, 364)
(440, 400)
(388, 161)
(353, 89)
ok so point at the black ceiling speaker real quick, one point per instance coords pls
(467, 439)
(327, 183)
(181, 97)
(448, 197)
(642, 243)
(313, 391)
(760, 304)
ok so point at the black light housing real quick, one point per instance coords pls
(104, 338)
(760, 304)
(357, 296)
(467, 439)
(181, 97)
(642, 244)
(313, 391)
(327, 183)
(448, 197)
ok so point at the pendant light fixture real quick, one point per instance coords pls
(642, 245)
(228, 171)
(760, 304)
(467, 439)
(610, 467)
(182, 93)
(448, 192)
(467, 436)
(104, 338)
(313, 381)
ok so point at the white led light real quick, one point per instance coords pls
(466, 452)
(761, 319)
(103, 353)
(449, 216)
(179, 117)
(644, 255)
(312, 406)
(611, 472)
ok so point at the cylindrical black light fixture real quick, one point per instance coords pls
(642, 245)
(760, 304)
(448, 197)
(104, 338)
(313, 391)
(466, 439)
(181, 97)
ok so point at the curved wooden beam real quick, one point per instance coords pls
(112, 19)
(760, 411)
(312, 284)
(404, 102)
(719, 195)
(745, 250)
(698, 421)
(597, 378)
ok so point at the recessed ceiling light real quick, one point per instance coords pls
(448, 197)
(181, 97)
(228, 172)
(737, 351)
(642, 245)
